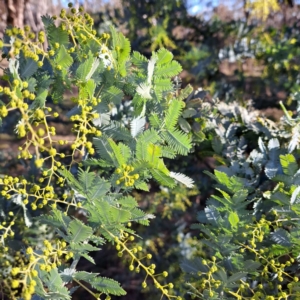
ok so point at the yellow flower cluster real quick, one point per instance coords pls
(41, 144)
(6, 227)
(207, 280)
(51, 257)
(84, 124)
(262, 8)
(125, 175)
(136, 264)
(33, 125)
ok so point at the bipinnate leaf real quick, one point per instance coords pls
(67, 274)
(85, 67)
(107, 286)
(28, 68)
(193, 266)
(78, 231)
(86, 276)
(233, 218)
(139, 60)
(47, 21)
(162, 178)
(164, 56)
(71, 179)
(63, 58)
(57, 35)
(169, 70)
(178, 140)
(188, 182)
(223, 178)
(212, 215)
(173, 114)
(99, 189)
(236, 277)
(137, 126)
(55, 286)
(289, 164)
(295, 195)
(281, 237)
(122, 43)
(113, 94)
(104, 149)
(86, 181)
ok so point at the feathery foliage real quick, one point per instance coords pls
(82, 195)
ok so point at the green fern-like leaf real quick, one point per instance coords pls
(117, 152)
(55, 286)
(141, 150)
(153, 154)
(107, 286)
(90, 87)
(57, 35)
(27, 68)
(128, 202)
(78, 231)
(168, 152)
(139, 60)
(139, 216)
(104, 149)
(63, 58)
(164, 56)
(162, 178)
(155, 121)
(146, 140)
(112, 94)
(82, 275)
(58, 89)
(84, 68)
(47, 21)
(121, 215)
(178, 141)
(40, 99)
(86, 180)
(125, 151)
(173, 114)
(57, 216)
(149, 136)
(281, 237)
(119, 41)
(99, 189)
(99, 215)
(71, 180)
(118, 132)
(289, 164)
(170, 70)
(162, 84)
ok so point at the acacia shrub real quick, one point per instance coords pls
(71, 202)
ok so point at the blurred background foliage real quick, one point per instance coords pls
(241, 51)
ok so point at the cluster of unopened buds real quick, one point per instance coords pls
(125, 175)
(6, 227)
(136, 264)
(208, 281)
(49, 259)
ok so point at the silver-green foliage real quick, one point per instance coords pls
(250, 226)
